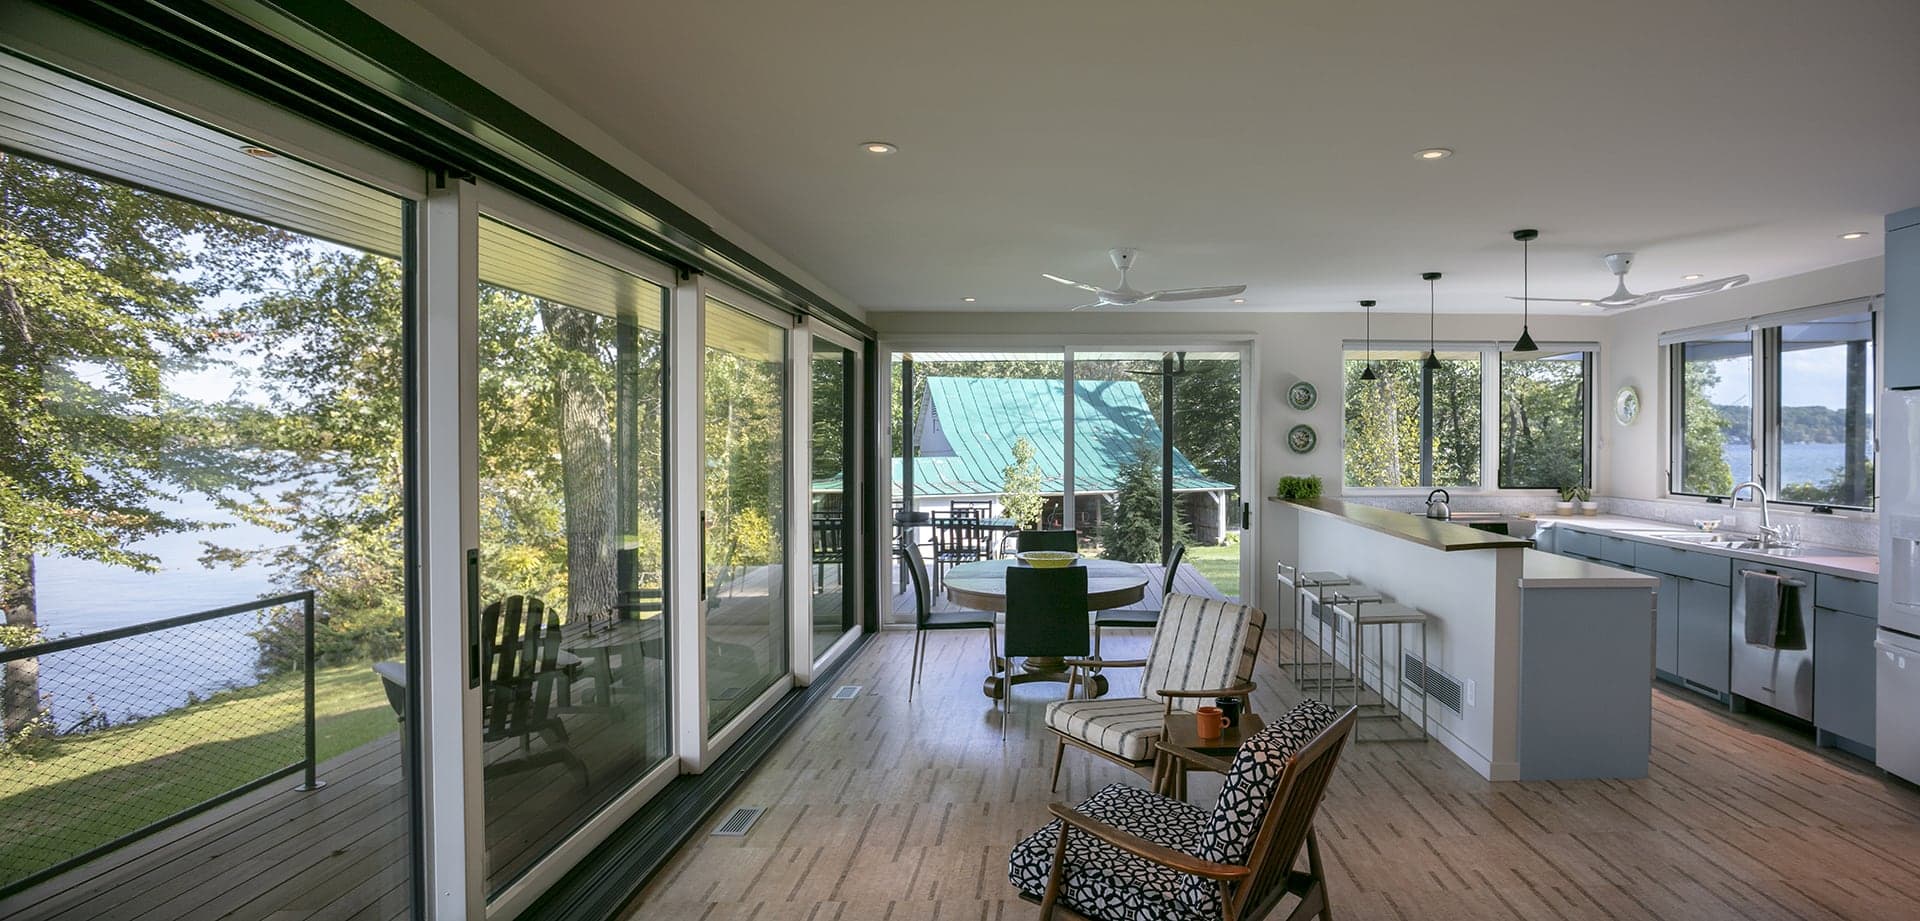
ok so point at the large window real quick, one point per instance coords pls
(1545, 418)
(1802, 424)
(1411, 426)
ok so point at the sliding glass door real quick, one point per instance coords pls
(745, 517)
(833, 500)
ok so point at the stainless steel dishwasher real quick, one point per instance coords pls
(1777, 678)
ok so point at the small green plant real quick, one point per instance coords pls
(1567, 493)
(1582, 494)
(1298, 487)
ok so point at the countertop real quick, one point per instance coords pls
(1439, 535)
(1850, 564)
(1548, 570)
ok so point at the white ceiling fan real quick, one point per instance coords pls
(1621, 298)
(1127, 296)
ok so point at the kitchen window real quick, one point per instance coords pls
(1546, 414)
(1786, 401)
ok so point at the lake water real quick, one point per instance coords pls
(1799, 463)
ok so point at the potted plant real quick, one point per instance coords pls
(1564, 507)
(1584, 496)
(1298, 488)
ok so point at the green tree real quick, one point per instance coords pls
(1704, 469)
(100, 294)
(1543, 423)
(1020, 489)
(1130, 526)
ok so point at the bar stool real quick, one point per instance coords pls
(1399, 617)
(1306, 585)
(1346, 602)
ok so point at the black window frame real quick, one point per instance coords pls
(1589, 373)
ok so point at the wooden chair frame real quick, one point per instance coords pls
(1251, 891)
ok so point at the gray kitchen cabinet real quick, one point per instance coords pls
(1666, 626)
(1704, 636)
(1583, 544)
(1843, 679)
(1900, 315)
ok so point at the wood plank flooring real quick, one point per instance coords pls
(885, 809)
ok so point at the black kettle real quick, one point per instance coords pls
(1437, 508)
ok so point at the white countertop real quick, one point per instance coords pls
(1547, 570)
(1850, 564)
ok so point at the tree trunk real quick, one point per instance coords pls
(20, 684)
(586, 462)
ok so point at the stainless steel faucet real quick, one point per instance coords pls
(1768, 533)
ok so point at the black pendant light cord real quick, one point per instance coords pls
(1368, 374)
(1525, 342)
(1432, 361)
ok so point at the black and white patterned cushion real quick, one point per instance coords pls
(1244, 798)
(1104, 882)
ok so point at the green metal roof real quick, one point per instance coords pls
(967, 440)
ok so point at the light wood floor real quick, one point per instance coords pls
(885, 809)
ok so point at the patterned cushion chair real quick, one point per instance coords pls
(1202, 648)
(1125, 854)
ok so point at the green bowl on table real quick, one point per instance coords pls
(1048, 559)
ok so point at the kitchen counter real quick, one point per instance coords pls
(1439, 535)
(1850, 564)
(1547, 570)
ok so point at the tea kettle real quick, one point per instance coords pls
(1437, 508)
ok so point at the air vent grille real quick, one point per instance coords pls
(1441, 688)
(846, 692)
(739, 822)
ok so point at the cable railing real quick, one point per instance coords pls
(140, 727)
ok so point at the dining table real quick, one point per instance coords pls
(982, 586)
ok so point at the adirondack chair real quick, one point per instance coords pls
(526, 679)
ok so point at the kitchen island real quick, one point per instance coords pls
(1538, 665)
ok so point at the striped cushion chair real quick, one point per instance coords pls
(1202, 648)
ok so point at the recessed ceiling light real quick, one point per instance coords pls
(1433, 153)
(1239, 300)
(969, 299)
(261, 152)
(1696, 276)
(878, 147)
(1586, 303)
(1854, 235)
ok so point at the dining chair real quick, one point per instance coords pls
(1067, 540)
(1140, 617)
(927, 619)
(1046, 616)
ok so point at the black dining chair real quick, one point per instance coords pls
(1046, 616)
(1067, 540)
(957, 538)
(926, 618)
(1140, 617)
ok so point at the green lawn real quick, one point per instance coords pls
(80, 791)
(1221, 566)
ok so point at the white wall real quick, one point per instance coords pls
(1635, 465)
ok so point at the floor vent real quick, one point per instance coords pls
(1441, 688)
(739, 822)
(846, 692)
(728, 694)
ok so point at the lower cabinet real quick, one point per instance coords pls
(1843, 675)
(1704, 635)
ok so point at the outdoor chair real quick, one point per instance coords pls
(1139, 617)
(829, 545)
(957, 538)
(926, 618)
(1067, 540)
(525, 670)
(1126, 853)
(1202, 648)
(1046, 616)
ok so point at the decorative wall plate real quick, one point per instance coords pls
(1301, 438)
(1301, 396)
(1626, 405)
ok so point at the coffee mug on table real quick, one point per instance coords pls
(1230, 707)
(1209, 722)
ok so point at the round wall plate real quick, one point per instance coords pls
(1626, 405)
(1301, 438)
(1301, 396)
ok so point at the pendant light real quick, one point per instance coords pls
(1368, 374)
(1432, 361)
(1525, 342)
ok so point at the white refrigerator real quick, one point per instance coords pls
(1897, 644)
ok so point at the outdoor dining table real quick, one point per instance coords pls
(982, 586)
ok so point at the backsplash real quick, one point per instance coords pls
(1844, 533)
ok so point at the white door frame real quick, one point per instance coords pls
(852, 575)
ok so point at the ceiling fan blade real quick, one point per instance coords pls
(1093, 306)
(1195, 294)
(1074, 284)
(1697, 288)
(1559, 300)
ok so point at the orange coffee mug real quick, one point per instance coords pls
(1209, 722)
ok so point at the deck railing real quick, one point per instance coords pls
(211, 740)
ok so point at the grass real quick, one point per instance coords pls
(77, 792)
(1221, 566)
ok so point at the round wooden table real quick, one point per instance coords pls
(982, 586)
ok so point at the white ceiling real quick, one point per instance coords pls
(1268, 142)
